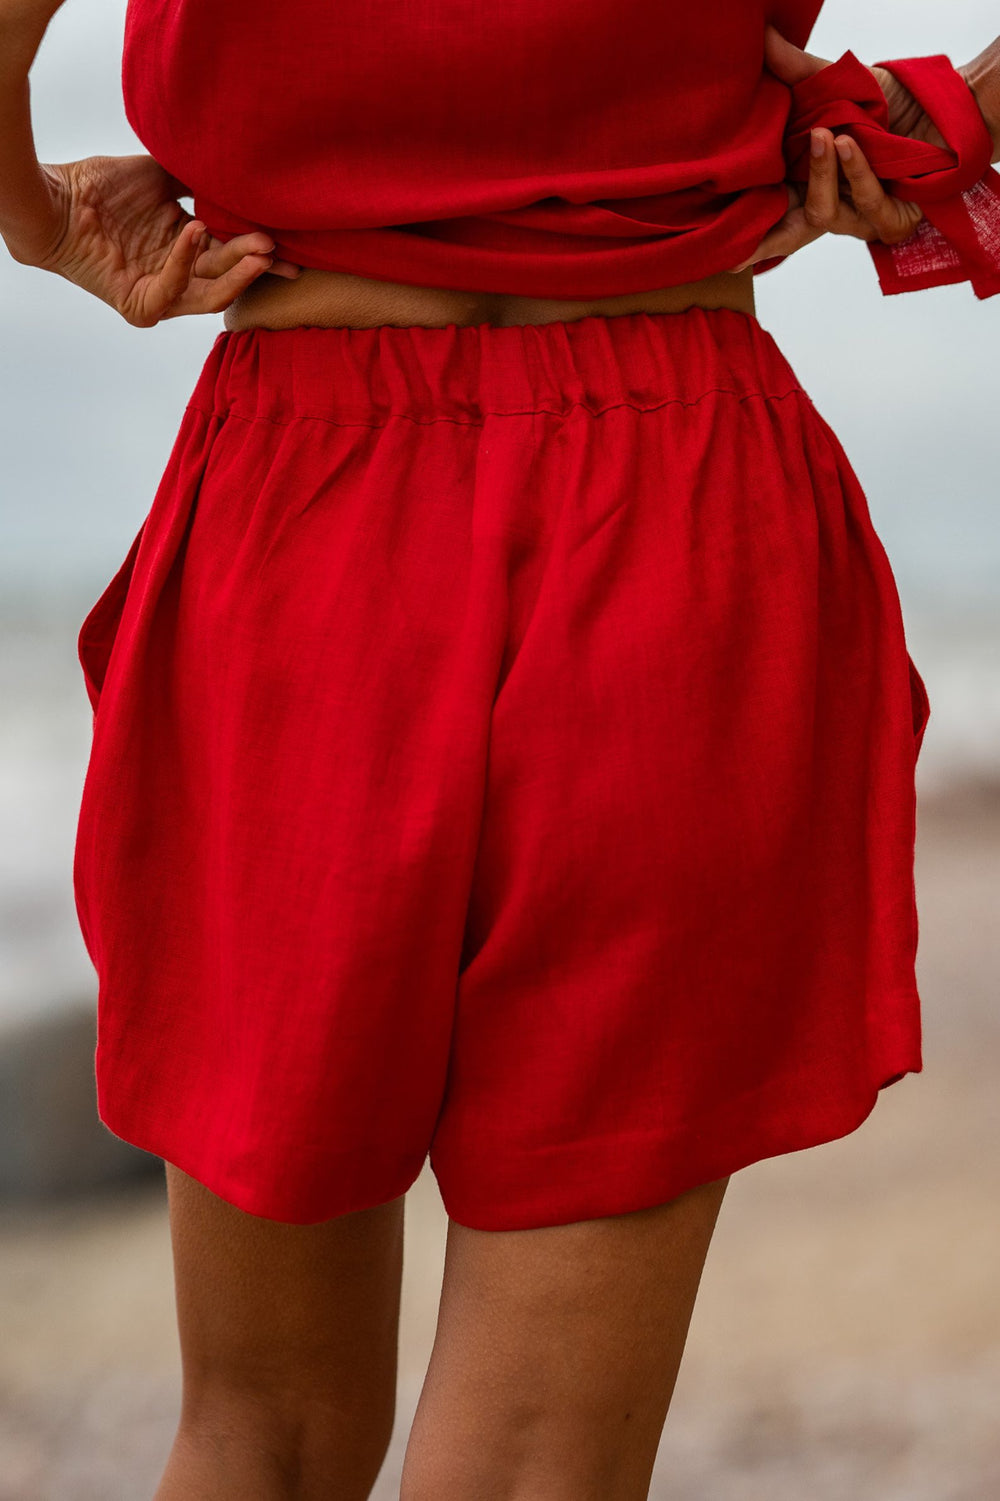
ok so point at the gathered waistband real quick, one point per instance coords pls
(466, 372)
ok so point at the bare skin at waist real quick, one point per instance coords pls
(341, 299)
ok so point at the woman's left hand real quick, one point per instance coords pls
(871, 213)
(116, 229)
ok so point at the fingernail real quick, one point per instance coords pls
(845, 150)
(818, 143)
(741, 267)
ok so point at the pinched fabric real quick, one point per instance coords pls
(958, 239)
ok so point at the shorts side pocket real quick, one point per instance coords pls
(97, 634)
(921, 704)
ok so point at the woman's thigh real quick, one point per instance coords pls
(556, 1355)
(288, 1337)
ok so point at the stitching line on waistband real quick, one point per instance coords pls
(525, 412)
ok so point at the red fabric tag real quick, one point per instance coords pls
(958, 189)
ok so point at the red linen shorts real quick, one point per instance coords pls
(503, 751)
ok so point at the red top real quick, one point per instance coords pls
(550, 148)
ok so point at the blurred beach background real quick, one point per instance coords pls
(846, 1343)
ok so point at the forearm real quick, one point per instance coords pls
(983, 77)
(25, 201)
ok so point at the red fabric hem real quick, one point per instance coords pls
(588, 1179)
(594, 1179)
(380, 1183)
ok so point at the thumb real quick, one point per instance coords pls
(787, 61)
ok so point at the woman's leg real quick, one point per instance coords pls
(288, 1338)
(556, 1355)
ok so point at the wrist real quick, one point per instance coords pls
(31, 224)
(982, 75)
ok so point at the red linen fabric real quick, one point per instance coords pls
(504, 748)
(559, 148)
(958, 190)
(571, 148)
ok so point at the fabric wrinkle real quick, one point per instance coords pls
(503, 754)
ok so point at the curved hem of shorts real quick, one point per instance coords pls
(669, 1167)
(261, 1205)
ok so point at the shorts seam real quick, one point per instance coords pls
(519, 412)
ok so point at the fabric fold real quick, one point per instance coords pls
(957, 188)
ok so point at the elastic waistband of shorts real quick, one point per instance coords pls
(466, 372)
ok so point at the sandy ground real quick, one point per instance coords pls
(846, 1340)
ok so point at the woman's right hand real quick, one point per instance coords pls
(113, 230)
(872, 214)
(819, 209)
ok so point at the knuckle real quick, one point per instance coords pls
(869, 203)
(862, 180)
(819, 215)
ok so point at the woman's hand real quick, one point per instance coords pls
(871, 213)
(114, 231)
(983, 77)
